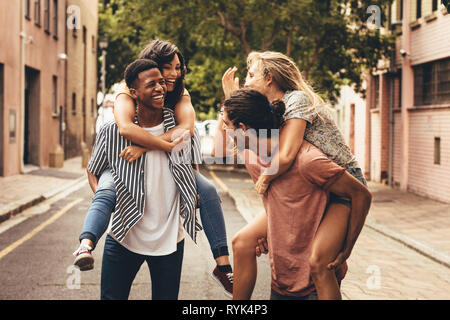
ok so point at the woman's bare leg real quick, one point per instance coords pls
(327, 243)
(244, 257)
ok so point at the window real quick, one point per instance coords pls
(84, 35)
(47, 16)
(432, 83)
(55, 19)
(376, 91)
(27, 9)
(94, 49)
(399, 10)
(437, 150)
(74, 103)
(435, 5)
(418, 9)
(55, 95)
(398, 91)
(37, 12)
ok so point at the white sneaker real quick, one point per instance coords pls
(84, 258)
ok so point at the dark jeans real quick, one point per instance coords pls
(120, 266)
(99, 214)
(276, 296)
(355, 172)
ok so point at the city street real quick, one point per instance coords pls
(36, 253)
(379, 267)
(366, 82)
(40, 266)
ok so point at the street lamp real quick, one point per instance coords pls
(103, 45)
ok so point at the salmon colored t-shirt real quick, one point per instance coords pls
(295, 204)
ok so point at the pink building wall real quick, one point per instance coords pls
(425, 177)
(9, 17)
(414, 127)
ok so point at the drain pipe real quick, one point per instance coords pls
(22, 85)
(391, 129)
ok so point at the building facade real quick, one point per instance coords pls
(81, 97)
(35, 61)
(406, 128)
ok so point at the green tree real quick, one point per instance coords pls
(329, 40)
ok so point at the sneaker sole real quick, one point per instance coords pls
(85, 262)
(229, 295)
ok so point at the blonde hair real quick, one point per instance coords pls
(284, 73)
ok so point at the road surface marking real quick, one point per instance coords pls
(39, 228)
(219, 182)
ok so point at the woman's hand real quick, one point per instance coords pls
(262, 184)
(341, 258)
(181, 139)
(229, 82)
(131, 153)
(262, 247)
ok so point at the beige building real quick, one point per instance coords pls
(42, 63)
(81, 82)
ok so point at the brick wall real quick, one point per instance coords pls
(83, 85)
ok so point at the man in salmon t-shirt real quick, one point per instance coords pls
(295, 204)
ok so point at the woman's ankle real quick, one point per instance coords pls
(223, 260)
(87, 242)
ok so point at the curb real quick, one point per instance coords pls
(424, 249)
(18, 206)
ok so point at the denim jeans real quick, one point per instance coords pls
(276, 296)
(357, 173)
(120, 266)
(103, 204)
(211, 214)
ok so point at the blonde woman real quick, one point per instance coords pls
(306, 118)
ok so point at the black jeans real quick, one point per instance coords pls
(120, 266)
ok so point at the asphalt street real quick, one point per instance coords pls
(36, 256)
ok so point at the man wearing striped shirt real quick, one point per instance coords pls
(153, 193)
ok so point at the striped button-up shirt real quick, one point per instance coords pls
(130, 177)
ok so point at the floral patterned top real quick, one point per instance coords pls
(321, 130)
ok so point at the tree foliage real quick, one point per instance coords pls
(330, 40)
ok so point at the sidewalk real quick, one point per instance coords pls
(22, 191)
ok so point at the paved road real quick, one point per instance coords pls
(36, 256)
(380, 268)
(36, 260)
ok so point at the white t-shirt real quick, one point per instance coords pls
(160, 228)
(105, 115)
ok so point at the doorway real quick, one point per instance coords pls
(32, 115)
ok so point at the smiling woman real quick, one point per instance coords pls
(170, 58)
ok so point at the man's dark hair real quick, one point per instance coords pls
(253, 109)
(135, 68)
